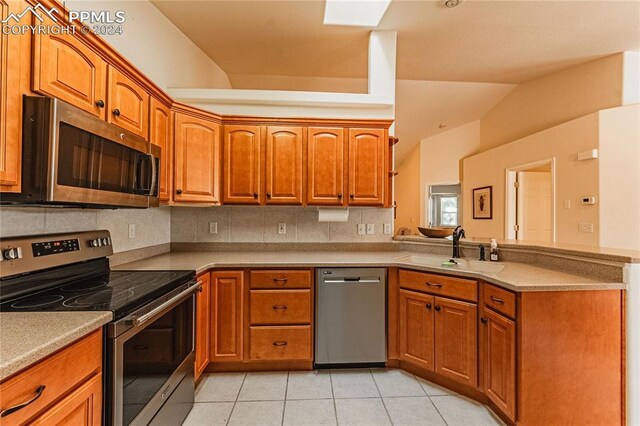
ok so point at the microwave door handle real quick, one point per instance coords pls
(143, 171)
(154, 174)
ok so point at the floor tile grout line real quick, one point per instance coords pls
(286, 390)
(236, 401)
(381, 398)
(333, 397)
(432, 403)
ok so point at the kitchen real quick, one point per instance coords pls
(193, 241)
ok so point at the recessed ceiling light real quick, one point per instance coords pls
(451, 3)
(359, 13)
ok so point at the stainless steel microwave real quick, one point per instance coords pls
(72, 158)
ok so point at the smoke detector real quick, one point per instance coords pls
(450, 4)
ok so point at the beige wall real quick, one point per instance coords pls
(574, 179)
(441, 157)
(311, 84)
(554, 99)
(407, 192)
(619, 159)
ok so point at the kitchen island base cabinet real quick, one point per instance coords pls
(227, 306)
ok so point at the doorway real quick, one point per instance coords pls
(530, 202)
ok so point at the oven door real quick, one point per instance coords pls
(93, 162)
(148, 362)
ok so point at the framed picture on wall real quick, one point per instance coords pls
(483, 203)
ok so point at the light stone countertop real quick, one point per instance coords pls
(26, 338)
(515, 276)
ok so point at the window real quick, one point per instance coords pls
(444, 205)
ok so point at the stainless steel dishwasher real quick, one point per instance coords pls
(351, 317)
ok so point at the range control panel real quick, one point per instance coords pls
(53, 247)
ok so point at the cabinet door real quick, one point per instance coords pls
(242, 164)
(284, 165)
(325, 166)
(417, 329)
(203, 324)
(82, 407)
(161, 134)
(197, 160)
(14, 70)
(456, 341)
(128, 104)
(367, 148)
(67, 69)
(227, 288)
(499, 361)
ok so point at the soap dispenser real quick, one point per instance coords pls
(493, 254)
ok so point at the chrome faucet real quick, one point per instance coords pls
(457, 234)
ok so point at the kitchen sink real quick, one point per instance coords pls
(461, 264)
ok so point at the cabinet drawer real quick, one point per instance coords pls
(59, 374)
(281, 279)
(459, 288)
(500, 300)
(280, 307)
(280, 343)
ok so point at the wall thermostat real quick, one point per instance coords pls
(588, 201)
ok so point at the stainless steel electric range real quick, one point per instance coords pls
(148, 348)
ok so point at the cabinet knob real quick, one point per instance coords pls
(340, 196)
(255, 195)
(428, 305)
(100, 104)
(268, 195)
(116, 112)
(178, 191)
(484, 320)
(437, 308)
(352, 196)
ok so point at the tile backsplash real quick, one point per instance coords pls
(260, 224)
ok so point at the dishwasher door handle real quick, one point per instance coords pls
(353, 281)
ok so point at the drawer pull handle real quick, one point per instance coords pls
(280, 343)
(497, 300)
(434, 285)
(5, 413)
(280, 280)
(279, 307)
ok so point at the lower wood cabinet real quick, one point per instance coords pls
(270, 343)
(226, 318)
(417, 329)
(83, 406)
(203, 324)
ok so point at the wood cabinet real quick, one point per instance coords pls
(325, 166)
(242, 164)
(66, 68)
(197, 159)
(227, 297)
(499, 360)
(161, 134)
(366, 166)
(128, 104)
(416, 329)
(280, 343)
(82, 407)
(203, 324)
(284, 151)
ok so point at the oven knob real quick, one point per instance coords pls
(105, 241)
(96, 242)
(13, 253)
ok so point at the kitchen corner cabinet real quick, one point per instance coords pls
(203, 324)
(242, 153)
(284, 176)
(128, 104)
(161, 134)
(197, 159)
(417, 329)
(366, 166)
(226, 318)
(325, 166)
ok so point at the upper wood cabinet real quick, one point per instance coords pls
(67, 69)
(128, 104)
(456, 340)
(161, 134)
(416, 333)
(325, 166)
(227, 295)
(203, 324)
(367, 148)
(242, 164)
(197, 159)
(284, 150)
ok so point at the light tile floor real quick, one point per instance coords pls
(338, 397)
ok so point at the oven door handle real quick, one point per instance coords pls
(166, 305)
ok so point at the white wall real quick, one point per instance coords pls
(157, 47)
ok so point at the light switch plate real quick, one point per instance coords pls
(370, 228)
(585, 227)
(213, 227)
(132, 231)
(282, 228)
(387, 229)
(361, 229)
(567, 204)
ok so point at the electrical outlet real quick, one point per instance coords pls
(361, 229)
(370, 229)
(585, 227)
(213, 227)
(282, 228)
(387, 229)
(132, 231)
